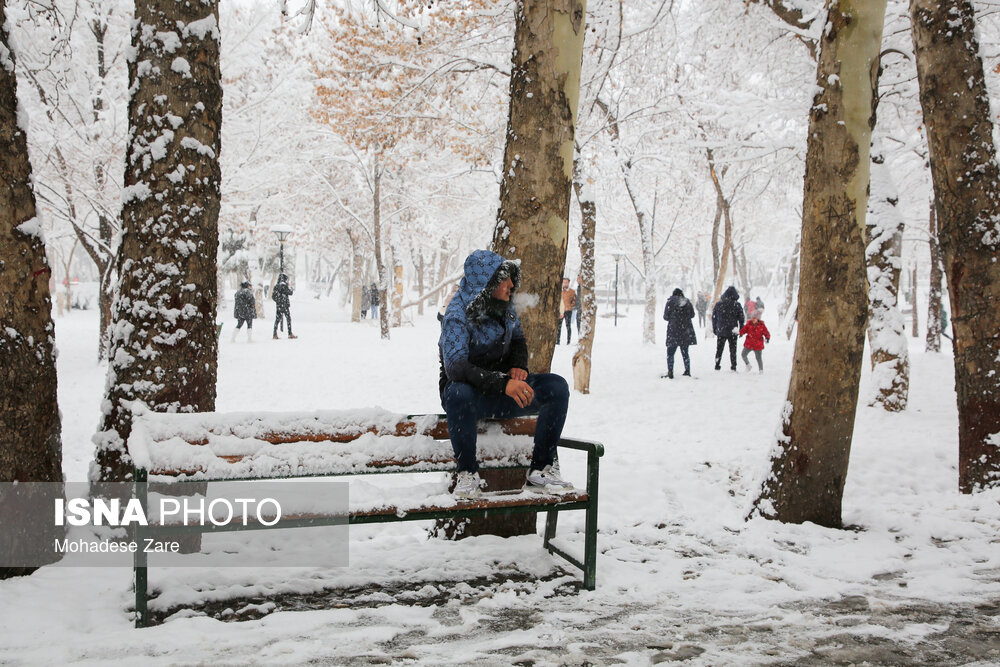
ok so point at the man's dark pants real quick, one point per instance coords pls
(720, 344)
(278, 316)
(568, 319)
(465, 405)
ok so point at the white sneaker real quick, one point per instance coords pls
(547, 480)
(468, 485)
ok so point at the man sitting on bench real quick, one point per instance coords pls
(484, 374)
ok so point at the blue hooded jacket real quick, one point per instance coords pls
(477, 347)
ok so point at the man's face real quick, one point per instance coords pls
(502, 292)
(565, 283)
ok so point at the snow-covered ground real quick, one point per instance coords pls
(680, 574)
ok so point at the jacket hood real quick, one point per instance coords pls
(484, 271)
(731, 294)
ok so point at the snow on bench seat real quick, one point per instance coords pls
(223, 446)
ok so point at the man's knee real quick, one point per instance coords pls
(552, 388)
(458, 395)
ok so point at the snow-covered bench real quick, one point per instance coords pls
(212, 447)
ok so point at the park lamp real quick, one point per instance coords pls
(282, 232)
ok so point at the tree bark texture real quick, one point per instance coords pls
(30, 445)
(809, 460)
(966, 180)
(890, 356)
(934, 320)
(164, 345)
(30, 429)
(533, 218)
(582, 358)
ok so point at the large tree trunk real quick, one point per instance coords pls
(809, 460)
(30, 443)
(164, 345)
(890, 357)
(966, 178)
(533, 219)
(934, 307)
(588, 307)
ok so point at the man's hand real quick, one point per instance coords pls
(518, 374)
(520, 392)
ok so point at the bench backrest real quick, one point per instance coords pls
(222, 446)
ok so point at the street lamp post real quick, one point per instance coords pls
(282, 232)
(617, 257)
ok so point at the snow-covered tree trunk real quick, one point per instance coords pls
(381, 248)
(533, 219)
(164, 345)
(588, 308)
(889, 351)
(357, 272)
(443, 257)
(30, 445)
(934, 307)
(809, 459)
(722, 206)
(966, 179)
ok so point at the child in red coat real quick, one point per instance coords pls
(756, 332)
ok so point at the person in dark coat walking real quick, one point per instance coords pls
(282, 305)
(727, 319)
(373, 296)
(244, 310)
(679, 314)
(484, 373)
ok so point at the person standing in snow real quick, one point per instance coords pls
(484, 374)
(282, 305)
(373, 296)
(244, 310)
(679, 314)
(701, 305)
(756, 332)
(727, 319)
(366, 301)
(568, 305)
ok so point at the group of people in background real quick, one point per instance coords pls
(245, 308)
(730, 320)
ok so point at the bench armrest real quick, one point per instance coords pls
(588, 446)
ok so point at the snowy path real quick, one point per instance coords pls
(680, 576)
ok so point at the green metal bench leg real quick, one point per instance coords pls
(141, 590)
(590, 534)
(139, 559)
(550, 528)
